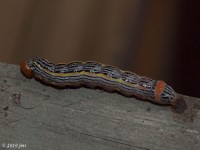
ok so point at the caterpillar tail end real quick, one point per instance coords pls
(180, 105)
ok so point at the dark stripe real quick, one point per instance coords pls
(84, 78)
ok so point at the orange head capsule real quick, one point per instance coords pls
(26, 69)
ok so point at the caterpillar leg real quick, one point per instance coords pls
(180, 105)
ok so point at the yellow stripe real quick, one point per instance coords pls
(89, 74)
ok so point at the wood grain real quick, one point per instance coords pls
(89, 119)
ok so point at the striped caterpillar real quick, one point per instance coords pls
(109, 78)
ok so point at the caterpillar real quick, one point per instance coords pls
(106, 77)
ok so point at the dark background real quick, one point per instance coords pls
(187, 73)
(158, 39)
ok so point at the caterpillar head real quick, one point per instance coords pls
(26, 69)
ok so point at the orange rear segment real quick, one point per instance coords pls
(159, 88)
(26, 70)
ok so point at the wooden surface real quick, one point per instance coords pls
(36, 116)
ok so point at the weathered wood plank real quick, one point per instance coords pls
(89, 119)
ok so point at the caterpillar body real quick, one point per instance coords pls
(109, 78)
